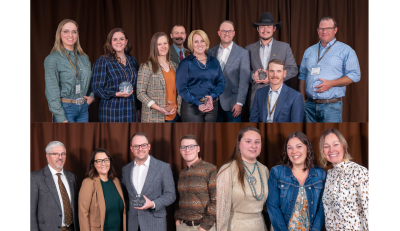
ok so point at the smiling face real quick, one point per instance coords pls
(327, 36)
(199, 45)
(276, 74)
(250, 146)
(118, 42)
(190, 156)
(162, 46)
(226, 37)
(56, 161)
(297, 152)
(103, 168)
(69, 35)
(140, 154)
(333, 149)
(266, 32)
(178, 35)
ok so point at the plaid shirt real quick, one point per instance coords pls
(197, 189)
(151, 88)
(107, 75)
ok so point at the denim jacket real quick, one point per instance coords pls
(283, 189)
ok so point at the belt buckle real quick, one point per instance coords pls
(80, 101)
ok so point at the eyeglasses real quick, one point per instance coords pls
(227, 31)
(328, 29)
(58, 154)
(106, 161)
(74, 32)
(143, 146)
(190, 147)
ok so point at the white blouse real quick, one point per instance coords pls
(346, 197)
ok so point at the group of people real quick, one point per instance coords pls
(137, 201)
(297, 194)
(200, 84)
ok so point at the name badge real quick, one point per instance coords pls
(78, 88)
(315, 71)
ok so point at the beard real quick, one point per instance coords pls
(266, 39)
(179, 40)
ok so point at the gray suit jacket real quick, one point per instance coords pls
(279, 50)
(175, 56)
(46, 211)
(237, 76)
(159, 187)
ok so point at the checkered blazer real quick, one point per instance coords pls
(151, 87)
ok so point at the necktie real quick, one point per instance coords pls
(180, 55)
(66, 203)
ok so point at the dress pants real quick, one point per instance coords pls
(191, 113)
(227, 116)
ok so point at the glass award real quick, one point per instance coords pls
(262, 75)
(205, 101)
(170, 106)
(125, 87)
(138, 201)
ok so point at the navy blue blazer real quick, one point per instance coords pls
(290, 106)
(193, 82)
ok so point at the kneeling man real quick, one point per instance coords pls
(277, 102)
(197, 190)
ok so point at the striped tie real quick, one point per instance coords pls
(180, 55)
(66, 203)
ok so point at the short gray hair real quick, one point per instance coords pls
(53, 144)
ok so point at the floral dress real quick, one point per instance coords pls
(300, 220)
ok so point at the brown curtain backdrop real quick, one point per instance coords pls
(216, 140)
(141, 19)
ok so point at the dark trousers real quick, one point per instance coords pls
(227, 116)
(191, 113)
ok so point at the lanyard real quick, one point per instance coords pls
(319, 47)
(269, 106)
(76, 59)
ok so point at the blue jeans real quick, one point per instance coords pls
(75, 113)
(323, 112)
(227, 116)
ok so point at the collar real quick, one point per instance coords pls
(229, 47)
(288, 172)
(71, 52)
(328, 45)
(177, 49)
(279, 89)
(192, 57)
(269, 44)
(54, 172)
(342, 165)
(146, 163)
(198, 162)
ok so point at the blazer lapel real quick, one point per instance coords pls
(71, 188)
(119, 189)
(281, 100)
(130, 177)
(51, 185)
(274, 50)
(231, 58)
(100, 199)
(264, 112)
(151, 173)
(173, 53)
(161, 77)
(256, 53)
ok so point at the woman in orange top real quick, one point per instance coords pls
(156, 87)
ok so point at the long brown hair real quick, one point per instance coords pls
(309, 162)
(236, 156)
(91, 171)
(109, 51)
(153, 57)
(58, 44)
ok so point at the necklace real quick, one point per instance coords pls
(123, 69)
(252, 183)
(198, 63)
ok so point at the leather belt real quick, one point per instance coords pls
(78, 101)
(333, 100)
(191, 223)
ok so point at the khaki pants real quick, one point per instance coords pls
(184, 227)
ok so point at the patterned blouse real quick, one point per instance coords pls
(107, 75)
(300, 220)
(346, 197)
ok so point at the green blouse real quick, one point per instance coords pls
(60, 80)
(114, 207)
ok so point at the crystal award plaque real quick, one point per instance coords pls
(170, 106)
(138, 201)
(204, 101)
(125, 87)
(262, 75)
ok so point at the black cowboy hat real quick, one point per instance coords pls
(266, 19)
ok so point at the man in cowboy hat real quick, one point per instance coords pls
(324, 75)
(261, 52)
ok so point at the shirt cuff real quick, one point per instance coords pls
(252, 76)
(150, 103)
(154, 205)
(239, 104)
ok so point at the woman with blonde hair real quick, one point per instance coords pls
(242, 188)
(346, 194)
(156, 85)
(199, 81)
(67, 76)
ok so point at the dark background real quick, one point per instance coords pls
(216, 140)
(142, 18)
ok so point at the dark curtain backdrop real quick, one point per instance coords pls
(216, 140)
(141, 19)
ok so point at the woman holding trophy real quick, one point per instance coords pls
(114, 80)
(199, 81)
(156, 87)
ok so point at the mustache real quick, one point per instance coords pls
(179, 38)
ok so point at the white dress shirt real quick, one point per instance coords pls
(139, 175)
(66, 185)
(265, 54)
(273, 97)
